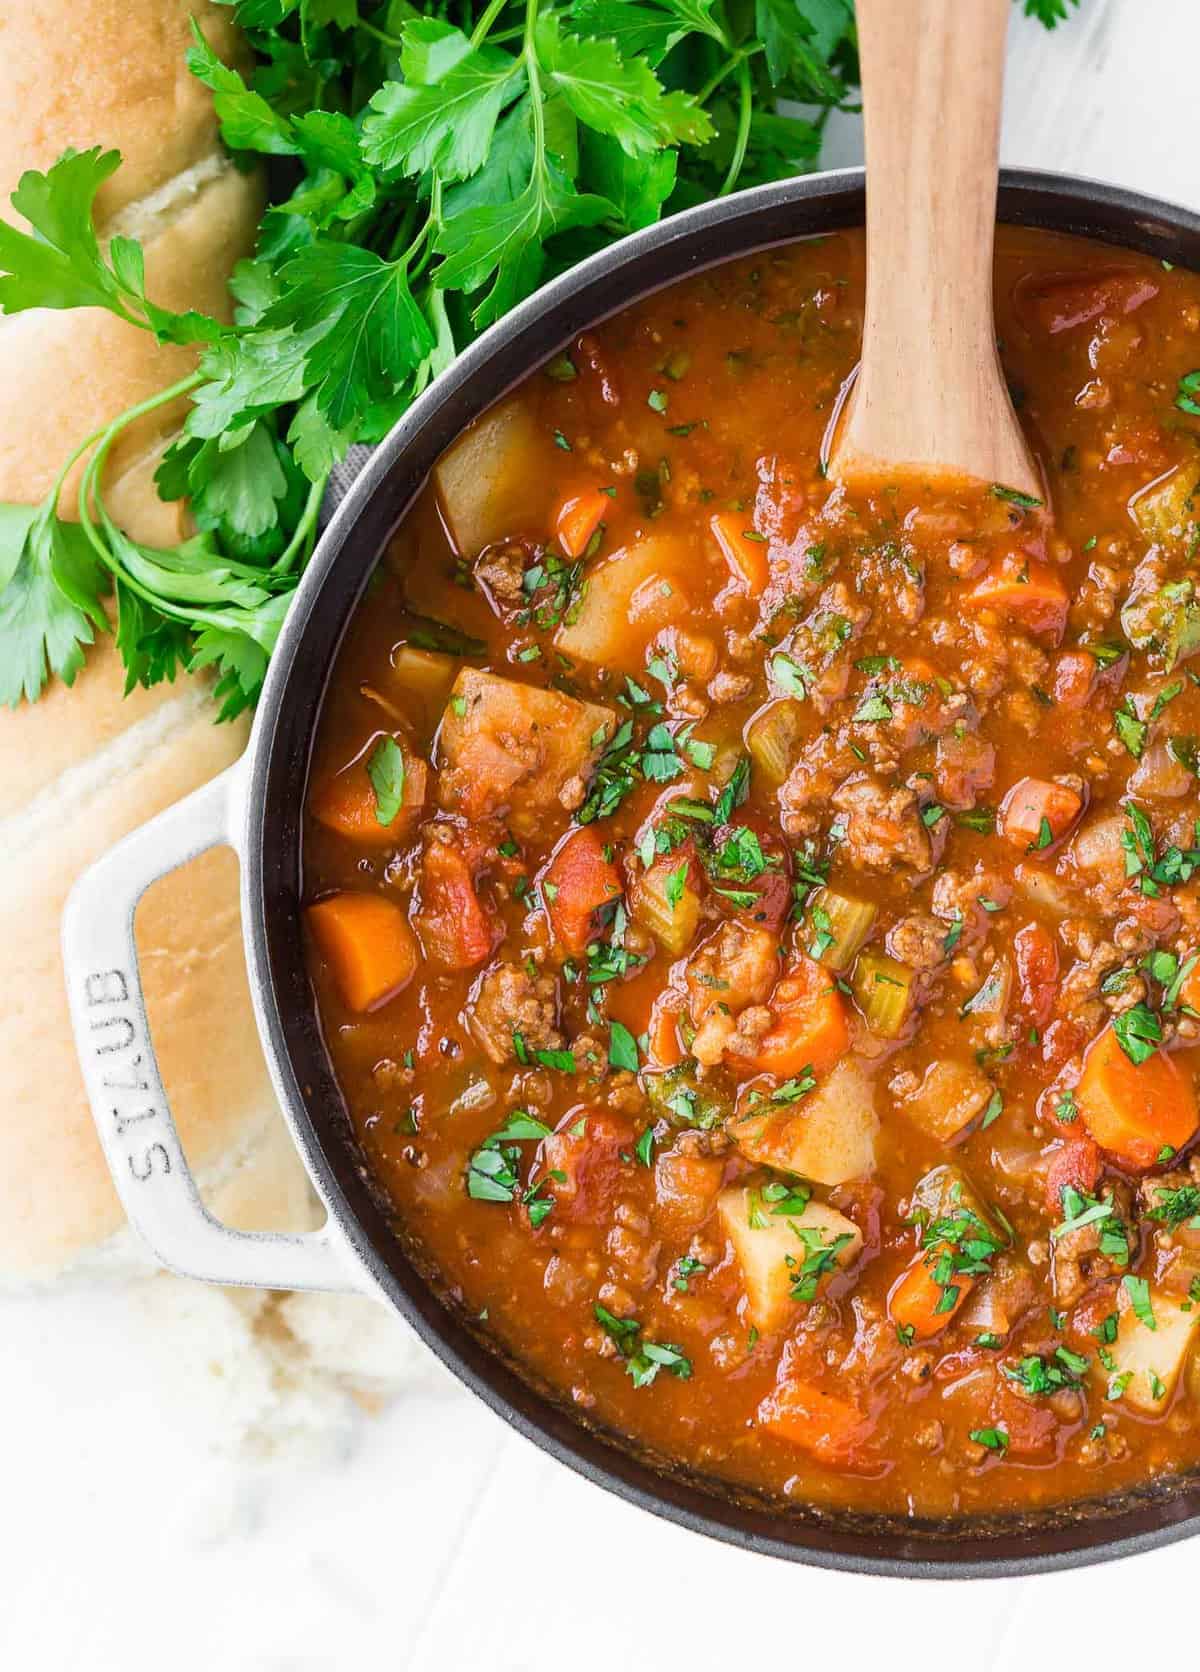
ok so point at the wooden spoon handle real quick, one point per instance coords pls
(930, 393)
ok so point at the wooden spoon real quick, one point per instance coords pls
(930, 395)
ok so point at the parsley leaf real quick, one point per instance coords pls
(385, 769)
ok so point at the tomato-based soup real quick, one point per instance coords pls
(756, 931)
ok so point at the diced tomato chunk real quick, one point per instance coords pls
(580, 880)
(1030, 1425)
(1037, 812)
(1062, 301)
(1076, 1164)
(1037, 972)
(664, 1047)
(588, 1149)
(455, 928)
(1074, 678)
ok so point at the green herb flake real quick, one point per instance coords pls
(385, 769)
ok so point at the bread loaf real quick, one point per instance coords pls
(80, 768)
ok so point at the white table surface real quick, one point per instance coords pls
(135, 1534)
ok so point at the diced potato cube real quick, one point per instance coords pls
(950, 1096)
(1168, 511)
(427, 673)
(512, 749)
(828, 1135)
(483, 480)
(626, 601)
(1149, 1362)
(772, 1248)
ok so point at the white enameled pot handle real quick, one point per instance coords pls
(112, 1036)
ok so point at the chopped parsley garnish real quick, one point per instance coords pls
(1175, 1205)
(385, 769)
(958, 1244)
(492, 1170)
(873, 708)
(789, 675)
(786, 1198)
(1014, 496)
(820, 1258)
(993, 1439)
(1080, 1211)
(622, 1048)
(1131, 731)
(1138, 1031)
(1066, 1109)
(643, 1359)
(1138, 1290)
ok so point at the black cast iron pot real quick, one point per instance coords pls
(256, 807)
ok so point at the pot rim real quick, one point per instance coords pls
(276, 767)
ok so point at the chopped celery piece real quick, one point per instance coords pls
(773, 737)
(841, 924)
(667, 902)
(883, 989)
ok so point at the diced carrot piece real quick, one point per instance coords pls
(1025, 591)
(578, 519)
(1075, 1163)
(580, 880)
(367, 943)
(1135, 1111)
(455, 929)
(1037, 971)
(832, 1429)
(1035, 807)
(919, 1303)
(664, 1049)
(745, 553)
(810, 1030)
(591, 1150)
(347, 803)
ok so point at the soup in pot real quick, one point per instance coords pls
(757, 931)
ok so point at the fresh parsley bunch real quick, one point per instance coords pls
(432, 164)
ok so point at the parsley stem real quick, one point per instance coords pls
(379, 34)
(89, 482)
(727, 68)
(529, 54)
(480, 31)
(745, 110)
(304, 528)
